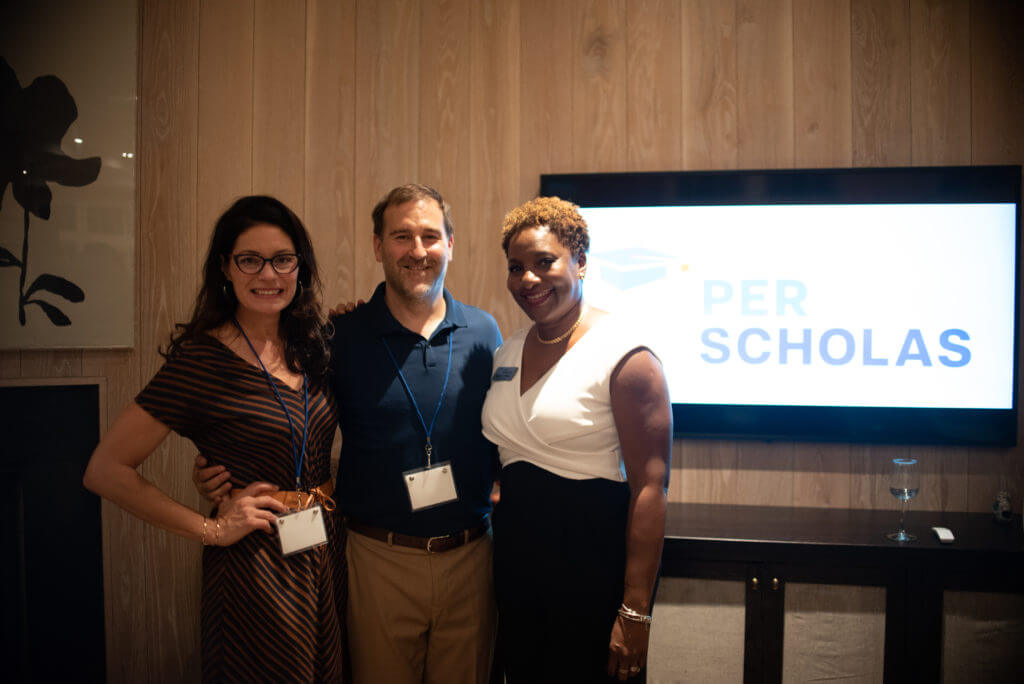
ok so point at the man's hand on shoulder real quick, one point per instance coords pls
(343, 308)
(212, 482)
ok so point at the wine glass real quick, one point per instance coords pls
(904, 483)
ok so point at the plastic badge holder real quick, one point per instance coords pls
(301, 530)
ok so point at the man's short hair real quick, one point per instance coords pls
(410, 192)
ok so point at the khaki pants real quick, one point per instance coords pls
(416, 617)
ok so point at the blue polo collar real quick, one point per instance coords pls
(383, 322)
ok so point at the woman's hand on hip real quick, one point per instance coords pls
(251, 509)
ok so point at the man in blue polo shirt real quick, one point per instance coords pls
(410, 372)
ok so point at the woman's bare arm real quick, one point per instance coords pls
(113, 474)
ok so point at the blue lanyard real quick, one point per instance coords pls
(428, 448)
(297, 456)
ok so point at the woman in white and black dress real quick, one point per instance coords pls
(579, 409)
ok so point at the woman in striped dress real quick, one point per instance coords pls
(244, 379)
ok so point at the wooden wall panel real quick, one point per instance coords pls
(881, 82)
(330, 144)
(943, 478)
(940, 67)
(163, 632)
(764, 89)
(765, 474)
(997, 75)
(225, 141)
(51, 364)
(676, 473)
(546, 102)
(599, 85)
(127, 612)
(278, 101)
(494, 105)
(444, 122)
(387, 116)
(709, 470)
(709, 85)
(991, 471)
(444, 67)
(10, 364)
(654, 85)
(821, 475)
(822, 108)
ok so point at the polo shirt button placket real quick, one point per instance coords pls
(427, 361)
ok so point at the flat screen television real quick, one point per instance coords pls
(866, 305)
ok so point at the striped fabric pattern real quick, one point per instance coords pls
(265, 618)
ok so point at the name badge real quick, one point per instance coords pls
(301, 530)
(504, 373)
(429, 487)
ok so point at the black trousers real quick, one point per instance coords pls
(559, 561)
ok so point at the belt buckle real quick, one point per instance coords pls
(438, 539)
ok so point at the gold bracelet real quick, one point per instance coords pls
(202, 537)
(216, 536)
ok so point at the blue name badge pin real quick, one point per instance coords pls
(504, 373)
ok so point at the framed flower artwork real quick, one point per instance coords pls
(67, 174)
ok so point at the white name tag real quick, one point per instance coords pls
(302, 530)
(429, 487)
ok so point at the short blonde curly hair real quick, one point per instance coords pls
(560, 216)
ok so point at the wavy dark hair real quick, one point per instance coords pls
(303, 325)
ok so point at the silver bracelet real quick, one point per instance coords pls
(627, 613)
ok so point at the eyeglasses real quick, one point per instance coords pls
(251, 264)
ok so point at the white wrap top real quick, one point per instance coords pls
(564, 422)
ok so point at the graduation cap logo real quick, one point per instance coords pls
(632, 267)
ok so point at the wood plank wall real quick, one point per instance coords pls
(328, 103)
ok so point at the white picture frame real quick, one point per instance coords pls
(74, 285)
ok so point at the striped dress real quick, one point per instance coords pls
(265, 618)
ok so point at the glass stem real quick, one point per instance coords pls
(903, 512)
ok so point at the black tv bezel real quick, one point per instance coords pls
(855, 185)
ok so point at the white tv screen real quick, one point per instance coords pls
(848, 304)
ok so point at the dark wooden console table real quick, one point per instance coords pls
(768, 546)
